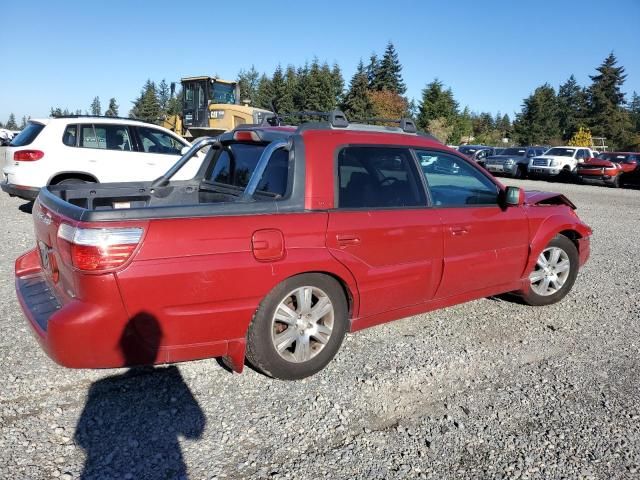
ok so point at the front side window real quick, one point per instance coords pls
(378, 177)
(156, 141)
(222, 93)
(453, 182)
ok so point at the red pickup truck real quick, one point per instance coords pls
(286, 239)
(611, 168)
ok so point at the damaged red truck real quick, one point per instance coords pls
(286, 239)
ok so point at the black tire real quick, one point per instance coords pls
(615, 182)
(521, 172)
(72, 181)
(565, 244)
(261, 352)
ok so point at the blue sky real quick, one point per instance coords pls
(491, 53)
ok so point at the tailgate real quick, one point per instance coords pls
(57, 271)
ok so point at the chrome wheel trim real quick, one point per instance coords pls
(302, 324)
(551, 272)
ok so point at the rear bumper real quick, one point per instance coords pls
(79, 334)
(73, 333)
(28, 193)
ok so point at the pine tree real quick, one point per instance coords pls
(572, 107)
(357, 104)
(373, 71)
(463, 130)
(147, 106)
(248, 83)
(95, 108)
(11, 123)
(264, 93)
(538, 123)
(608, 118)
(319, 89)
(112, 111)
(290, 89)
(337, 83)
(164, 94)
(23, 123)
(278, 87)
(389, 75)
(634, 111)
(302, 87)
(437, 103)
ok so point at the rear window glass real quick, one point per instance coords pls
(28, 135)
(236, 163)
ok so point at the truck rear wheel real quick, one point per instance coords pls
(298, 327)
(554, 274)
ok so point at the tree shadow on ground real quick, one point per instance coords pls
(131, 424)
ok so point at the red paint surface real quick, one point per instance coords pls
(201, 279)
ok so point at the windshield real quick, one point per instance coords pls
(519, 152)
(28, 135)
(561, 152)
(222, 93)
(236, 162)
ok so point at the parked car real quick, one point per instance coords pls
(479, 153)
(273, 253)
(80, 149)
(559, 161)
(513, 161)
(611, 168)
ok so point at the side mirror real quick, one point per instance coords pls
(513, 197)
(184, 150)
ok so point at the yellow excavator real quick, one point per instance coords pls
(211, 106)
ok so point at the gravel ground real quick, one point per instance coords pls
(489, 389)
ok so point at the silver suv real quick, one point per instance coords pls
(513, 161)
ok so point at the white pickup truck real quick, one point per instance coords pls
(559, 161)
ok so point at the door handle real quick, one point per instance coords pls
(347, 239)
(460, 230)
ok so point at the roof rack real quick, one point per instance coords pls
(97, 116)
(337, 119)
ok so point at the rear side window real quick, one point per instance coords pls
(28, 135)
(378, 177)
(453, 182)
(70, 135)
(105, 137)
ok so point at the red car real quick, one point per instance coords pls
(286, 239)
(611, 168)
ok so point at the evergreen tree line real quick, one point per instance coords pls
(377, 89)
(550, 117)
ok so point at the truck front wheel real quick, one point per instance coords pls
(298, 327)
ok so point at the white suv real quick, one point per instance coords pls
(559, 161)
(79, 149)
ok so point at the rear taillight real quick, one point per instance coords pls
(99, 249)
(27, 155)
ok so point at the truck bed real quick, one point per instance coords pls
(140, 200)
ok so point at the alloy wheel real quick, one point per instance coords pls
(551, 271)
(302, 324)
